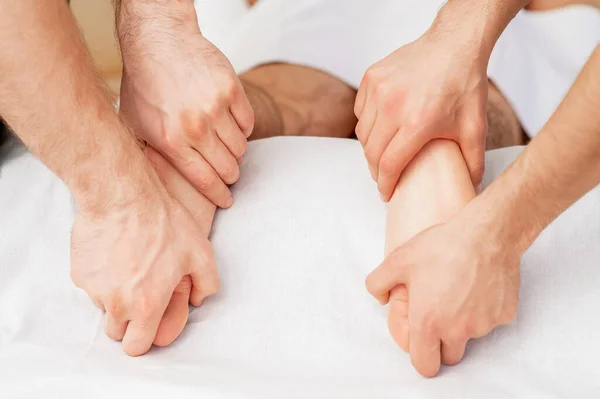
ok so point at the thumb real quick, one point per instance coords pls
(472, 146)
(394, 270)
(205, 277)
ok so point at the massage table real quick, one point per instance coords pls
(293, 319)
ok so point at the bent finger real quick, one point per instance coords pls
(204, 274)
(401, 150)
(453, 352)
(366, 121)
(376, 143)
(176, 315)
(204, 178)
(231, 135)
(201, 209)
(398, 317)
(242, 112)
(114, 328)
(425, 351)
(472, 146)
(141, 332)
(218, 156)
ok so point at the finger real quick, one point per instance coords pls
(204, 178)
(401, 150)
(453, 352)
(205, 277)
(398, 317)
(361, 96)
(176, 314)
(472, 146)
(114, 329)
(141, 332)
(366, 121)
(218, 156)
(392, 272)
(425, 350)
(197, 205)
(242, 111)
(377, 142)
(230, 135)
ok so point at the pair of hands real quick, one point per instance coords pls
(144, 258)
(455, 281)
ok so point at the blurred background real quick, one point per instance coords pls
(97, 21)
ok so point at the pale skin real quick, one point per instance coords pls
(476, 287)
(181, 95)
(134, 245)
(294, 100)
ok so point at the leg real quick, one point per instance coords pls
(432, 189)
(504, 128)
(293, 100)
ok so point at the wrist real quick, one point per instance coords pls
(138, 19)
(474, 26)
(507, 210)
(114, 177)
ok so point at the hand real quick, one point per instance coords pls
(451, 283)
(202, 211)
(140, 261)
(183, 97)
(428, 89)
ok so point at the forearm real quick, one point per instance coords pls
(433, 188)
(136, 17)
(477, 23)
(558, 167)
(294, 100)
(51, 97)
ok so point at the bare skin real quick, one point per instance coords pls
(432, 189)
(294, 100)
(416, 206)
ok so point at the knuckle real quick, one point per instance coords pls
(230, 173)
(145, 306)
(114, 306)
(387, 165)
(229, 90)
(429, 321)
(206, 182)
(170, 140)
(382, 89)
(239, 148)
(371, 74)
(475, 127)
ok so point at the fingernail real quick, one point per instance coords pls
(240, 160)
(382, 197)
(229, 202)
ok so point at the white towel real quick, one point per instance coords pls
(293, 319)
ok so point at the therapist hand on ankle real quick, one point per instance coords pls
(182, 95)
(462, 279)
(434, 87)
(426, 90)
(142, 257)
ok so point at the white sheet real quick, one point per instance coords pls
(293, 319)
(534, 63)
